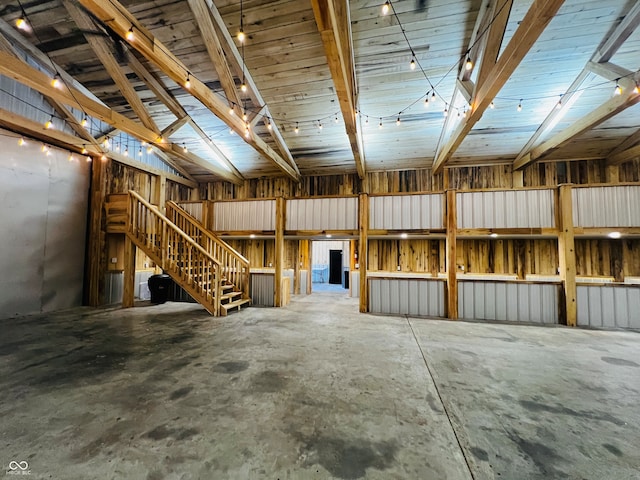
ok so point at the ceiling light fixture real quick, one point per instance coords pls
(468, 65)
(615, 235)
(22, 24)
(55, 82)
(386, 7)
(130, 36)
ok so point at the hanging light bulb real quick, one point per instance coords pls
(45, 148)
(380, 124)
(241, 35)
(103, 157)
(398, 120)
(386, 7)
(520, 106)
(244, 115)
(140, 151)
(232, 110)
(246, 131)
(468, 65)
(297, 129)
(426, 102)
(464, 113)
(433, 96)
(130, 35)
(21, 141)
(232, 131)
(55, 82)
(559, 104)
(319, 125)
(412, 65)
(184, 147)
(49, 123)
(117, 147)
(336, 119)
(70, 158)
(88, 159)
(492, 105)
(187, 84)
(105, 144)
(269, 126)
(446, 112)
(149, 149)
(243, 87)
(22, 24)
(636, 89)
(618, 89)
(84, 150)
(84, 121)
(126, 151)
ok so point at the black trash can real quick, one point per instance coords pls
(159, 286)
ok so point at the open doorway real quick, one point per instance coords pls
(330, 266)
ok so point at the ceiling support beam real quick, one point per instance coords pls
(41, 82)
(334, 25)
(629, 142)
(120, 20)
(624, 156)
(608, 109)
(602, 56)
(533, 24)
(236, 61)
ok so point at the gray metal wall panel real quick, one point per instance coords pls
(355, 284)
(262, 289)
(338, 213)
(402, 296)
(615, 206)
(257, 215)
(193, 209)
(406, 212)
(303, 281)
(609, 306)
(113, 288)
(506, 209)
(517, 302)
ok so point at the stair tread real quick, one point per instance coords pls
(230, 295)
(235, 303)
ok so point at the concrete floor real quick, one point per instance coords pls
(313, 391)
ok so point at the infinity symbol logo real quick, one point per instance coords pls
(13, 465)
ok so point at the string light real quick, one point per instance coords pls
(636, 89)
(105, 144)
(22, 24)
(84, 150)
(21, 141)
(398, 119)
(70, 158)
(55, 82)
(445, 112)
(618, 89)
(433, 96)
(88, 159)
(130, 36)
(244, 115)
(380, 124)
(297, 129)
(140, 151)
(269, 126)
(49, 123)
(319, 125)
(103, 157)
(84, 121)
(44, 147)
(520, 106)
(241, 36)
(126, 151)
(149, 149)
(187, 84)
(386, 7)
(184, 147)
(426, 102)
(492, 105)
(412, 65)
(468, 64)
(243, 87)
(232, 111)
(336, 120)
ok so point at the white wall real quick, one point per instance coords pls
(43, 215)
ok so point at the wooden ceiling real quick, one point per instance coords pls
(346, 67)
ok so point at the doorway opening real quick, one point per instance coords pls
(330, 266)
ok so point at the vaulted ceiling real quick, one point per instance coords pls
(327, 86)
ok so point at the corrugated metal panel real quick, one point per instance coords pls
(506, 209)
(288, 272)
(303, 281)
(262, 289)
(113, 287)
(193, 209)
(515, 302)
(340, 213)
(606, 206)
(257, 215)
(140, 288)
(355, 284)
(609, 306)
(401, 296)
(406, 212)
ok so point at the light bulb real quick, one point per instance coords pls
(244, 116)
(433, 96)
(21, 23)
(464, 113)
(241, 36)
(149, 149)
(105, 144)
(398, 120)
(84, 150)
(468, 64)
(187, 84)
(55, 82)
(243, 87)
(130, 36)
(446, 112)
(84, 121)
(297, 129)
(380, 124)
(103, 157)
(426, 102)
(88, 159)
(232, 111)
(636, 89)
(21, 141)
(269, 126)
(45, 148)
(319, 125)
(140, 152)
(126, 151)
(70, 158)
(336, 120)
(520, 106)
(184, 147)
(412, 65)
(386, 7)
(49, 123)
(492, 105)
(618, 90)
(246, 133)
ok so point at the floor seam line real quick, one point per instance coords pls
(444, 407)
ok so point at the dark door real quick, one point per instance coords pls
(335, 266)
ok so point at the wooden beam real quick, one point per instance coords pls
(103, 53)
(627, 143)
(232, 52)
(203, 135)
(612, 43)
(492, 40)
(567, 255)
(608, 109)
(613, 72)
(95, 235)
(129, 273)
(450, 246)
(332, 18)
(33, 78)
(279, 251)
(624, 156)
(120, 20)
(533, 24)
(174, 127)
(202, 14)
(131, 162)
(363, 254)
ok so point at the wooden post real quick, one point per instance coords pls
(279, 251)
(129, 272)
(96, 236)
(160, 193)
(452, 269)
(518, 178)
(363, 254)
(309, 266)
(353, 245)
(567, 255)
(612, 173)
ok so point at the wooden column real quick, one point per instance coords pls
(279, 251)
(363, 254)
(96, 236)
(518, 178)
(304, 264)
(612, 174)
(353, 248)
(452, 269)
(160, 193)
(567, 255)
(129, 272)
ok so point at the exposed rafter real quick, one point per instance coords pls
(332, 18)
(120, 20)
(533, 24)
(628, 142)
(33, 78)
(610, 46)
(624, 156)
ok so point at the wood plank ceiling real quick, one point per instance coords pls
(528, 55)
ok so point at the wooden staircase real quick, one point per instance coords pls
(219, 283)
